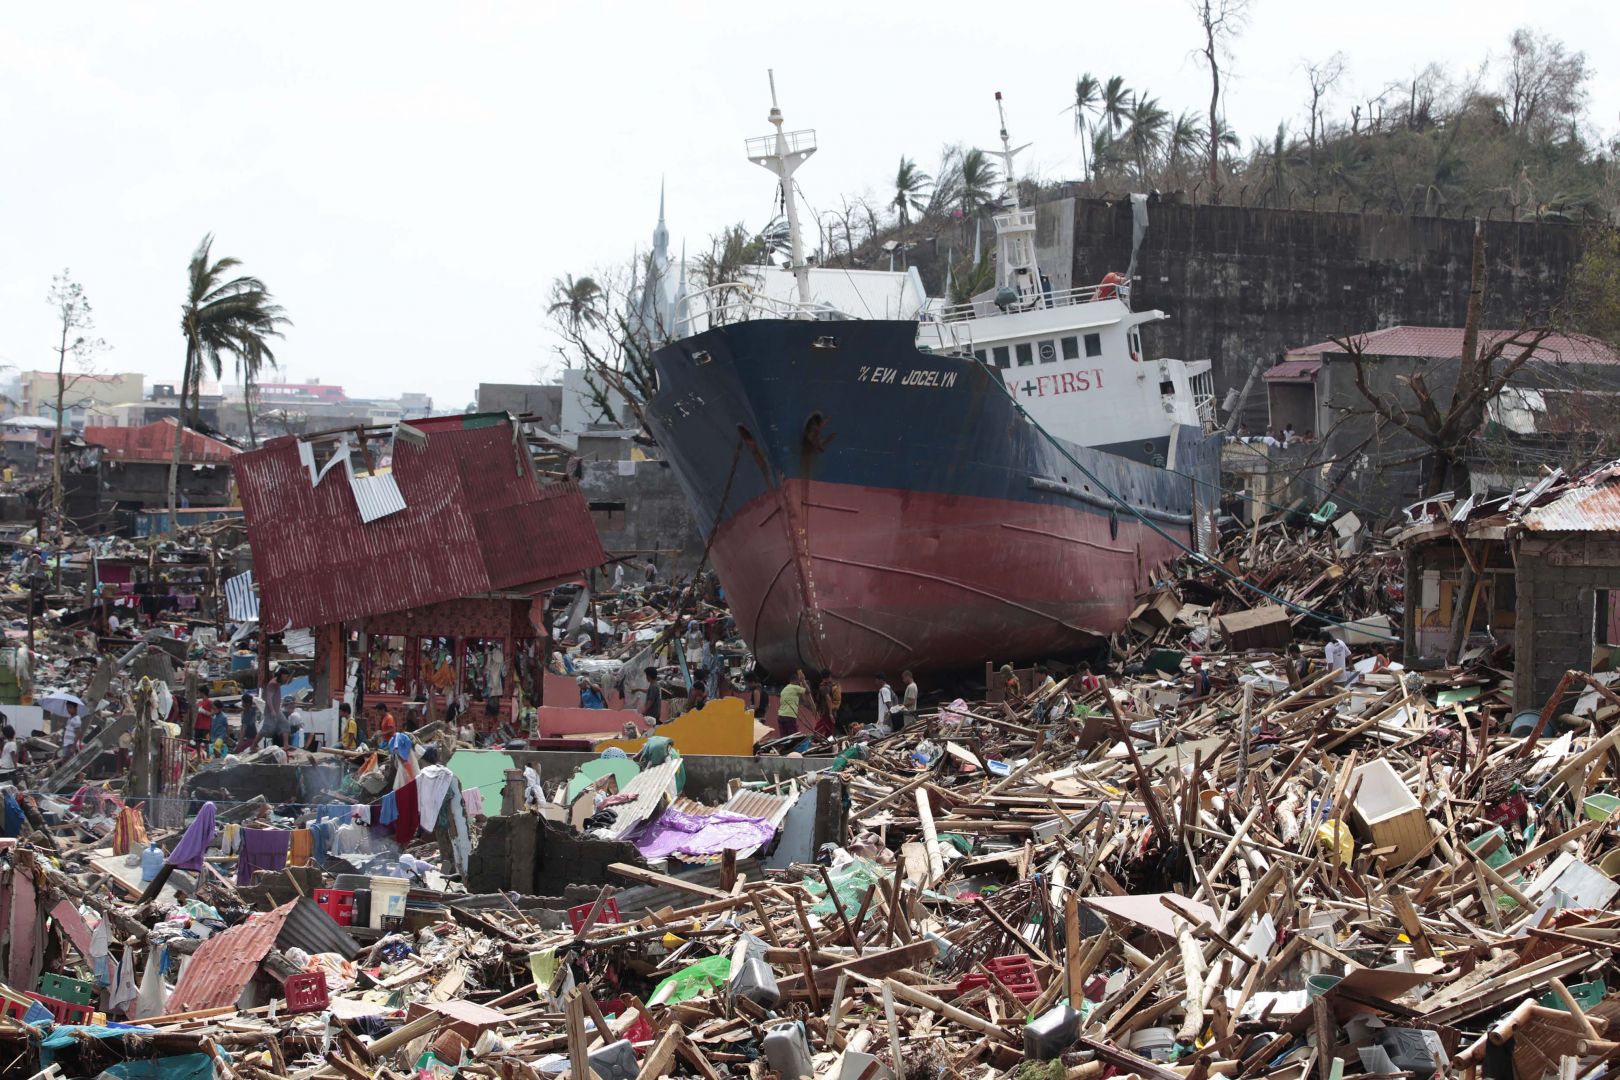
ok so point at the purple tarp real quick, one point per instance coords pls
(676, 833)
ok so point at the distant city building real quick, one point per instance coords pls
(304, 407)
(523, 399)
(83, 394)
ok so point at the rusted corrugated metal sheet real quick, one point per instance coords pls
(223, 965)
(476, 520)
(309, 928)
(1593, 506)
(155, 442)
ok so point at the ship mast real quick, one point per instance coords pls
(782, 154)
(1018, 275)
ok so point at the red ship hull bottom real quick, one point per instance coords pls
(866, 580)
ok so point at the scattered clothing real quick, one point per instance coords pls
(300, 848)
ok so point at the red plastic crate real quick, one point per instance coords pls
(1016, 973)
(64, 1012)
(338, 903)
(306, 992)
(607, 916)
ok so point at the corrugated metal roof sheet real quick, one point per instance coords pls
(155, 442)
(649, 788)
(476, 520)
(309, 928)
(223, 965)
(1445, 343)
(1292, 370)
(1592, 506)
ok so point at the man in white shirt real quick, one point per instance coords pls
(886, 703)
(1337, 655)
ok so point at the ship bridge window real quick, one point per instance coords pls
(1000, 353)
(1093, 344)
(1167, 388)
(979, 354)
(1048, 352)
(1071, 348)
(1026, 354)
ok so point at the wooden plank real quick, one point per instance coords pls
(643, 876)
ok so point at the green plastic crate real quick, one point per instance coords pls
(62, 988)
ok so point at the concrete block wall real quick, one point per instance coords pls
(1557, 584)
(644, 510)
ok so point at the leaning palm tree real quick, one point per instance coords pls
(577, 302)
(1114, 105)
(1086, 91)
(222, 316)
(249, 363)
(910, 184)
(1146, 131)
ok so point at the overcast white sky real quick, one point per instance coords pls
(409, 178)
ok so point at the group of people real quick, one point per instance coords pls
(269, 723)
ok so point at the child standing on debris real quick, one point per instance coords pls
(250, 722)
(652, 706)
(8, 755)
(202, 727)
(70, 730)
(1201, 685)
(348, 730)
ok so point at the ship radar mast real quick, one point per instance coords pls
(1018, 275)
(782, 154)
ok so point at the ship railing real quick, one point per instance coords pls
(764, 146)
(737, 301)
(1081, 294)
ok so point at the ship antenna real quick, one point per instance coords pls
(1006, 154)
(782, 154)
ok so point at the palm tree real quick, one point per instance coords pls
(910, 183)
(248, 365)
(978, 181)
(1146, 131)
(577, 302)
(1186, 136)
(1114, 105)
(222, 315)
(1086, 91)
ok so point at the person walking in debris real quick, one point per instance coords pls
(387, 726)
(1012, 691)
(348, 730)
(1201, 685)
(1296, 666)
(757, 698)
(273, 715)
(8, 755)
(220, 730)
(652, 706)
(651, 570)
(1088, 681)
(830, 698)
(70, 730)
(618, 577)
(250, 722)
(203, 725)
(908, 701)
(887, 701)
(788, 705)
(1337, 654)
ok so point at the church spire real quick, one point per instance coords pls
(660, 232)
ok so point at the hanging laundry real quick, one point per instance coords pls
(474, 800)
(432, 783)
(406, 804)
(262, 849)
(300, 848)
(188, 853)
(388, 812)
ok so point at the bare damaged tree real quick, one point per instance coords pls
(1322, 77)
(1446, 431)
(77, 321)
(1546, 83)
(1221, 20)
